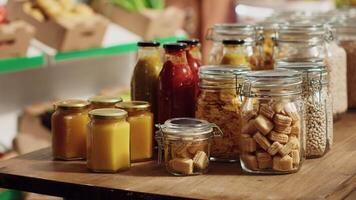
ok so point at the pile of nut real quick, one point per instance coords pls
(186, 157)
(222, 107)
(270, 136)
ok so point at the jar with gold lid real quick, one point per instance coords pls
(69, 126)
(108, 140)
(140, 119)
(97, 102)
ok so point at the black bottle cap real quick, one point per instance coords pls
(233, 42)
(148, 44)
(175, 46)
(190, 41)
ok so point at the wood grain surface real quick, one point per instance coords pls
(330, 177)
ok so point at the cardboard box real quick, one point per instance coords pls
(15, 38)
(149, 24)
(63, 35)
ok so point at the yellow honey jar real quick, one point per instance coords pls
(69, 123)
(108, 140)
(97, 102)
(141, 129)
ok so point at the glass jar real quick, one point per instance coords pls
(220, 32)
(144, 81)
(194, 59)
(319, 129)
(69, 126)
(236, 53)
(219, 102)
(272, 119)
(104, 102)
(141, 129)
(268, 32)
(186, 145)
(108, 141)
(176, 89)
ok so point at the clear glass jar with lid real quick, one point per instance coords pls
(272, 133)
(319, 128)
(243, 32)
(186, 145)
(219, 102)
(236, 53)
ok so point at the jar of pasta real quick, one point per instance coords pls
(219, 102)
(185, 143)
(104, 101)
(108, 140)
(272, 133)
(140, 119)
(69, 125)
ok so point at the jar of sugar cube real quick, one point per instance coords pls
(272, 118)
(184, 145)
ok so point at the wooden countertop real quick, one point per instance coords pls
(330, 177)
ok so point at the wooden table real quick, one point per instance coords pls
(330, 177)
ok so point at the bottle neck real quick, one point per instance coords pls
(144, 52)
(194, 51)
(176, 57)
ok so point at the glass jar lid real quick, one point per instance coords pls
(132, 106)
(221, 77)
(302, 32)
(279, 82)
(219, 32)
(344, 25)
(108, 113)
(72, 104)
(105, 99)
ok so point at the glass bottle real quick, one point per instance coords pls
(236, 53)
(69, 125)
(108, 141)
(219, 102)
(141, 129)
(144, 80)
(186, 143)
(194, 59)
(272, 133)
(176, 89)
(104, 102)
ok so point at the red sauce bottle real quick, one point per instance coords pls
(176, 89)
(194, 60)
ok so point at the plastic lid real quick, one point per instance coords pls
(133, 105)
(105, 99)
(72, 104)
(175, 46)
(108, 113)
(148, 44)
(190, 41)
(233, 42)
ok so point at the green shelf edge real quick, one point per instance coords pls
(106, 51)
(10, 195)
(21, 63)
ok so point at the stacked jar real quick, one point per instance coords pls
(272, 119)
(219, 102)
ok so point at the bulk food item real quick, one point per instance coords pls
(108, 141)
(194, 60)
(319, 132)
(219, 102)
(69, 126)
(104, 102)
(144, 81)
(176, 88)
(185, 143)
(141, 129)
(271, 140)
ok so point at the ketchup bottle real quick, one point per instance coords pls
(194, 60)
(176, 89)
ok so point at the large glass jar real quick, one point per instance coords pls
(108, 140)
(144, 80)
(104, 102)
(319, 129)
(186, 145)
(69, 126)
(141, 129)
(219, 102)
(272, 119)
(176, 89)
(219, 32)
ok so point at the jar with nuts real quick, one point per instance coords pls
(317, 107)
(219, 102)
(272, 119)
(185, 144)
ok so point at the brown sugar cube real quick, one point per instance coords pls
(286, 163)
(266, 111)
(249, 128)
(282, 120)
(295, 129)
(247, 116)
(195, 147)
(294, 142)
(247, 143)
(250, 161)
(180, 150)
(292, 111)
(264, 160)
(279, 106)
(263, 124)
(286, 148)
(182, 165)
(274, 148)
(200, 160)
(295, 156)
(283, 129)
(262, 141)
(277, 137)
(275, 164)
